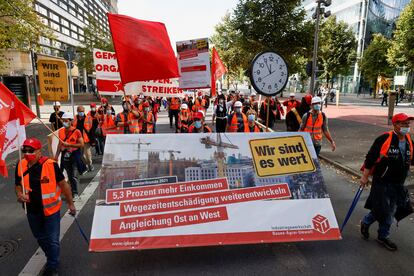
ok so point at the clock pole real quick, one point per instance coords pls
(267, 113)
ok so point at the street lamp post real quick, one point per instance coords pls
(317, 16)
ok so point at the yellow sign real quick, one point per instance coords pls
(53, 80)
(282, 155)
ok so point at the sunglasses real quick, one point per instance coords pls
(28, 150)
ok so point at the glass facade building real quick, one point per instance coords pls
(365, 17)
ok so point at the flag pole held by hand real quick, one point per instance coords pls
(352, 207)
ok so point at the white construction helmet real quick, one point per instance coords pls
(292, 94)
(238, 104)
(316, 100)
(56, 103)
(184, 106)
(67, 115)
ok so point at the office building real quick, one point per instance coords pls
(365, 17)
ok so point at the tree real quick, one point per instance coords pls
(337, 48)
(258, 25)
(20, 26)
(401, 51)
(374, 61)
(94, 37)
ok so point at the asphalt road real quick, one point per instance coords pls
(352, 255)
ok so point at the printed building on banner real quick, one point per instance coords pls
(220, 197)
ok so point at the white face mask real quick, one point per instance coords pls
(66, 124)
(317, 107)
(404, 130)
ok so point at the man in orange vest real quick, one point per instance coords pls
(251, 119)
(71, 151)
(121, 120)
(184, 119)
(108, 124)
(84, 124)
(39, 183)
(316, 123)
(291, 102)
(199, 126)
(147, 119)
(237, 121)
(391, 155)
(173, 110)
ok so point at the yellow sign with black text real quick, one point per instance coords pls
(281, 155)
(53, 80)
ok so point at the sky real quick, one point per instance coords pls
(184, 19)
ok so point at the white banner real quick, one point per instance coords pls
(194, 63)
(108, 80)
(262, 187)
(156, 88)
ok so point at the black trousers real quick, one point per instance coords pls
(171, 114)
(221, 125)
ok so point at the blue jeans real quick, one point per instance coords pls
(46, 230)
(384, 228)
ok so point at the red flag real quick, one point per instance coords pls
(143, 49)
(217, 70)
(14, 115)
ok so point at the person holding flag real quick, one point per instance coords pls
(39, 183)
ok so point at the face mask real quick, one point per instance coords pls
(197, 124)
(238, 109)
(125, 107)
(93, 109)
(30, 157)
(81, 114)
(317, 107)
(66, 124)
(147, 109)
(250, 117)
(109, 112)
(404, 130)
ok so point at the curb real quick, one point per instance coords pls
(341, 167)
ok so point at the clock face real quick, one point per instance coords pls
(269, 73)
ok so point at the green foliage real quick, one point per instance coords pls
(337, 47)
(401, 52)
(95, 37)
(20, 26)
(258, 25)
(374, 60)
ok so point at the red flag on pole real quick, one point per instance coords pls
(217, 70)
(14, 116)
(143, 49)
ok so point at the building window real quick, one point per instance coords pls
(44, 40)
(65, 31)
(45, 50)
(74, 35)
(54, 26)
(63, 5)
(64, 22)
(54, 16)
(72, 12)
(56, 44)
(41, 10)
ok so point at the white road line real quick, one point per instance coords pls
(36, 263)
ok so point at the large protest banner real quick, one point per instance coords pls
(194, 63)
(53, 80)
(108, 80)
(234, 189)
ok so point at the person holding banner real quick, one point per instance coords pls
(251, 118)
(237, 121)
(389, 160)
(71, 151)
(199, 126)
(40, 190)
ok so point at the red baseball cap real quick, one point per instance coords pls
(198, 115)
(146, 104)
(308, 99)
(93, 105)
(33, 143)
(104, 100)
(401, 117)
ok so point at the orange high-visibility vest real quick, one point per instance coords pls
(175, 104)
(184, 119)
(386, 146)
(50, 190)
(148, 120)
(71, 139)
(124, 119)
(315, 129)
(206, 129)
(199, 106)
(108, 125)
(234, 126)
(133, 123)
(88, 122)
(256, 128)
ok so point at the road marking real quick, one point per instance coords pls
(36, 263)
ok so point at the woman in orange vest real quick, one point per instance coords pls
(199, 126)
(237, 121)
(315, 123)
(251, 119)
(38, 184)
(147, 119)
(108, 124)
(70, 146)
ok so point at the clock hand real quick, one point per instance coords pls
(270, 70)
(268, 74)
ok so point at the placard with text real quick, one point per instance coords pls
(210, 189)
